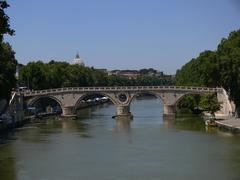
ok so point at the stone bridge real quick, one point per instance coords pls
(69, 97)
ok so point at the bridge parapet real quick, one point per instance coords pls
(122, 88)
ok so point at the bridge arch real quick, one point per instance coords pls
(37, 98)
(157, 95)
(179, 98)
(32, 102)
(154, 97)
(92, 94)
(191, 93)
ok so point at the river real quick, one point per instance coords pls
(97, 147)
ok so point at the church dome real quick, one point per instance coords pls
(78, 60)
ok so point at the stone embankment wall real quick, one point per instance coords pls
(227, 106)
(16, 108)
(13, 114)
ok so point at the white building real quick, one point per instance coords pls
(78, 60)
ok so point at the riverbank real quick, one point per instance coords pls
(232, 125)
(229, 124)
(5, 127)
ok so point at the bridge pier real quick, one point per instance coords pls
(169, 110)
(123, 112)
(68, 111)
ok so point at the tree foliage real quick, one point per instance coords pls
(190, 102)
(147, 71)
(39, 75)
(210, 103)
(202, 71)
(7, 59)
(4, 21)
(220, 68)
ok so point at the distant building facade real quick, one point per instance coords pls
(134, 74)
(130, 74)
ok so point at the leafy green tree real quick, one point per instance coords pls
(202, 71)
(39, 75)
(7, 60)
(35, 75)
(4, 21)
(56, 74)
(190, 102)
(146, 71)
(7, 70)
(210, 103)
(229, 62)
(218, 68)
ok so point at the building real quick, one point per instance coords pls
(78, 60)
(130, 74)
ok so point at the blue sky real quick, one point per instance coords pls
(120, 34)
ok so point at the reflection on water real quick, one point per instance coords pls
(193, 123)
(123, 125)
(95, 146)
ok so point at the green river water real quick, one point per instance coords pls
(96, 147)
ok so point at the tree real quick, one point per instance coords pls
(4, 21)
(229, 62)
(190, 102)
(209, 103)
(202, 71)
(7, 60)
(39, 75)
(218, 68)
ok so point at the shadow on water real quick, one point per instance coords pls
(7, 137)
(187, 122)
(40, 131)
(191, 122)
(7, 162)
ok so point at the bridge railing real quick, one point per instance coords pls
(122, 88)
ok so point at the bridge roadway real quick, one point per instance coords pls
(69, 97)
